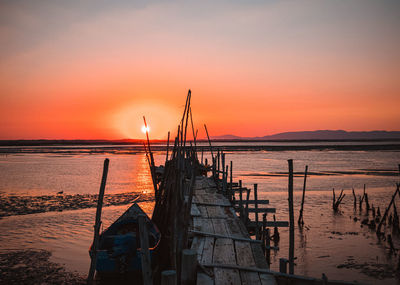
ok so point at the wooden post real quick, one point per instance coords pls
(226, 182)
(240, 199)
(202, 150)
(355, 199)
(189, 267)
(263, 232)
(231, 194)
(209, 142)
(166, 158)
(168, 277)
(300, 221)
(268, 246)
(223, 173)
(256, 213)
(93, 250)
(247, 204)
(283, 265)
(145, 254)
(218, 166)
(291, 219)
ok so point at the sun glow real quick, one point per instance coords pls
(161, 118)
(145, 129)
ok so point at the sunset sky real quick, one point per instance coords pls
(92, 69)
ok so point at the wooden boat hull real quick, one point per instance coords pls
(119, 245)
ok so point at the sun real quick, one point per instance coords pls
(145, 129)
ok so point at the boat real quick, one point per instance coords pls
(119, 245)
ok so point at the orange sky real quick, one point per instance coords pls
(92, 70)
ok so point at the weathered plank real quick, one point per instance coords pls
(215, 212)
(203, 211)
(224, 253)
(260, 202)
(260, 210)
(270, 224)
(225, 236)
(194, 211)
(244, 257)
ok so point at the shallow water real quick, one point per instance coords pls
(327, 241)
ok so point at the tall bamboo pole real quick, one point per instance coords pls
(93, 250)
(291, 219)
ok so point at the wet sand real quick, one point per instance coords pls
(34, 267)
(23, 205)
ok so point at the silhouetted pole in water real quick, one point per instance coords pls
(300, 221)
(209, 142)
(93, 251)
(291, 219)
(166, 158)
(378, 230)
(355, 199)
(337, 202)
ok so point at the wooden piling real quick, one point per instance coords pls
(256, 213)
(300, 220)
(93, 251)
(355, 198)
(247, 205)
(166, 157)
(168, 277)
(241, 213)
(283, 265)
(144, 251)
(189, 267)
(209, 142)
(291, 218)
(218, 165)
(231, 195)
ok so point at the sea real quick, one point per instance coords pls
(337, 244)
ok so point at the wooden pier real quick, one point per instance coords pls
(221, 240)
(207, 234)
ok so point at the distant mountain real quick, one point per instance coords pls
(319, 135)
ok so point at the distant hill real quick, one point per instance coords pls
(320, 135)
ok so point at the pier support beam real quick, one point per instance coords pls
(189, 267)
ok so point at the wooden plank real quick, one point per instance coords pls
(219, 226)
(215, 212)
(203, 211)
(267, 279)
(227, 204)
(258, 255)
(225, 236)
(224, 253)
(260, 210)
(204, 279)
(194, 211)
(198, 246)
(208, 247)
(260, 202)
(272, 224)
(208, 250)
(245, 258)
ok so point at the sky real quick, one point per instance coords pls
(93, 69)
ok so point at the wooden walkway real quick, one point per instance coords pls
(220, 238)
